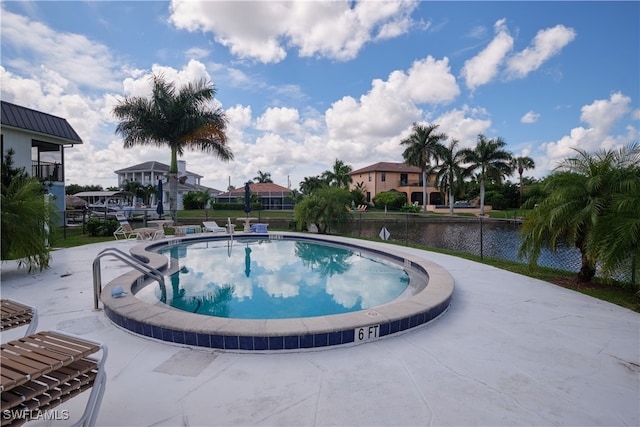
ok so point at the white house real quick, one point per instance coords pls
(148, 173)
(38, 140)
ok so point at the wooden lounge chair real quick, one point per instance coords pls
(43, 370)
(14, 314)
(125, 230)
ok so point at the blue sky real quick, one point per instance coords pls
(305, 83)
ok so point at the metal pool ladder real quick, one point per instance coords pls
(126, 258)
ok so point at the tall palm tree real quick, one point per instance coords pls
(181, 120)
(592, 203)
(493, 161)
(521, 164)
(423, 145)
(339, 175)
(450, 172)
(263, 177)
(311, 183)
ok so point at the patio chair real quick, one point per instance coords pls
(43, 370)
(14, 314)
(125, 230)
(214, 227)
(258, 228)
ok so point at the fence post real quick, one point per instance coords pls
(406, 229)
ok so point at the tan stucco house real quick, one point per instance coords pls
(387, 176)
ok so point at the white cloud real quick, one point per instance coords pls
(600, 116)
(530, 117)
(45, 52)
(483, 67)
(546, 44)
(197, 53)
(464, 124)
(603, 113)
(389, 105)
(264, 30)
(279, 120)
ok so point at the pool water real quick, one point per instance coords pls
(277, 279)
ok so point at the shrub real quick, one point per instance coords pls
(98, 227)
(390, 199)
(497, 200)
(196, 200)
(411, 208)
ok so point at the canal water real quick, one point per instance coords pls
(487, 238)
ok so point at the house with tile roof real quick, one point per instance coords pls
(39, 141)
(148, 173)
(387, 176)
(272, 196)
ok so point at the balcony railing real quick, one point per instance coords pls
(47, 171)
(408, 183)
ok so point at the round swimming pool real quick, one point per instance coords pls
(424, 294)
(252, 278)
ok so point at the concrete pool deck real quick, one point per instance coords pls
(510, 350)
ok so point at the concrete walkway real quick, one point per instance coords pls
(509, 351)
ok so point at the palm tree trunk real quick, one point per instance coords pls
(587, 271)
(451, 198)
(173, 185)
(521, 191)
(424, 190)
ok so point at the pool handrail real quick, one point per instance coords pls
(128, 259)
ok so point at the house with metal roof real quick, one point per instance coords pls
(148, 173)
(387, 176)
(39, 141)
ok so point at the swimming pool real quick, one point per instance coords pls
(428, 296)
(276, 279)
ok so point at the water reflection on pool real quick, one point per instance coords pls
(277, 279)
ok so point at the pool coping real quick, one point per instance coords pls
(159, 321)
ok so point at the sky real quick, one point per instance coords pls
(305, 83)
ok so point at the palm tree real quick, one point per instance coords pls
(590, 197)
(450, 172)
(493, 161)
(339, 176)
(311, 183)
(521, 164)
(179, 120)
(618, 231)
(326, 208)
(422, 145)
(27, 217)
(263, 177)
(359, 194)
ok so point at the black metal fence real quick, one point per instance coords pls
(483, 237)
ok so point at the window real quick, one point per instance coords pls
(383, 176)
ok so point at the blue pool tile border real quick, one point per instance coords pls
(267, 343)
